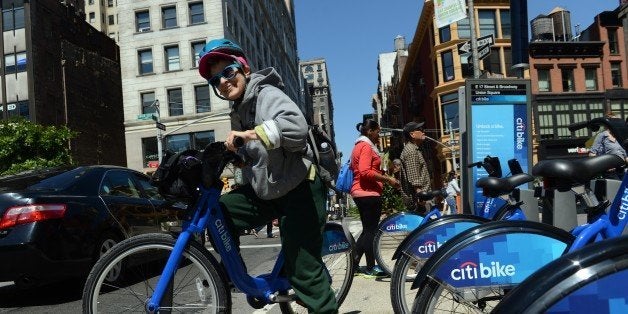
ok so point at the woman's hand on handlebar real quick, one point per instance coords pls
(232, 143)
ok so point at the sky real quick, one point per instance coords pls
(350, 35)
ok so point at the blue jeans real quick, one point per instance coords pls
(451, 202)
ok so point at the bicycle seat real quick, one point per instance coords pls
(494, 187)
(424, 196)
(562, 174)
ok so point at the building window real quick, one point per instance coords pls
(612, 41)
(110, 3)
(449, 102)
(196, 50)
(18, 109)
(111, 20)
(590, 79)
(90, 2)
(12, 15)
(149, 150)
(197, 13)
(201, 95)
(616, 74)
(448, 65)
(197, 140)
(487, 22)
(92, 17)
(142, 21)
(492, 62)
(175, 102)
(544, 80)
(554, 118)
(567, 79)
(172, 58)
(147, 102)
(444, 34)
(464, 29)
(169, 17)
(15, 62)
(504, 16)
(145, 58)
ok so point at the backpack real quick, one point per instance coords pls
(345, 178)
(324, 151)
(179, 175)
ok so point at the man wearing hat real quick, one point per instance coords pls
(414, 174)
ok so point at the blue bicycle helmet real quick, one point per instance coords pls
(220, 49)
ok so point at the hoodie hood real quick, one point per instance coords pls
(259, 79)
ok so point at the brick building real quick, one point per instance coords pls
(576, 81)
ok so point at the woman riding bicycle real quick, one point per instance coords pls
(280, 179)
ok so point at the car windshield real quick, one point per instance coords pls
(48, 179)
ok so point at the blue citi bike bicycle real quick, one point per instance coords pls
(593, 279)
(164, 273)
(501, 203)
(473, 271)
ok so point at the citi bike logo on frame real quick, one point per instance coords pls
(396, 227)
(623, 207)
(471, 270)
(429, 247)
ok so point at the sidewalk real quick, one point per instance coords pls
(367, 295)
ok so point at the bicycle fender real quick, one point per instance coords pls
(404, 221)
(336, 239)
(501, 253)
(438, 231)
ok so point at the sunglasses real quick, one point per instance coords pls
(229, 73)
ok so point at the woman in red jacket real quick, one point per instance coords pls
(366, 191)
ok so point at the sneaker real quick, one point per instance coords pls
(375, 272)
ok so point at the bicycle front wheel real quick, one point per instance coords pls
(384, 246)
(197, 286)
(401, 295)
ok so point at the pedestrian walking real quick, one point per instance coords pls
(366, 192)
(453, 190)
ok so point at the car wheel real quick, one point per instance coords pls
(108, 241)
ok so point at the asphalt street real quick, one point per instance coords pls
(366, 295)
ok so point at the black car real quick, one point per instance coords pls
(54, 224)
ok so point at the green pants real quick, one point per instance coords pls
(302, 218)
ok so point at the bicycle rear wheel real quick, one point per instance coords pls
(340, 268)
(401, 295)
(197, 285)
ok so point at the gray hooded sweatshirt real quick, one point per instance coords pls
(278, 162)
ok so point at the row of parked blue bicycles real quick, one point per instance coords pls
(494, 260)
(497, 261)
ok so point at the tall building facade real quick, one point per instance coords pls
(58, 70)
(316, 83)
(159, 46)
(428, 87)
(576, 81)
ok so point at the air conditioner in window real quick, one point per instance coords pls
(144, 29)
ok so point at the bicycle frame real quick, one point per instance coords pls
(607, 225)
(209, 215)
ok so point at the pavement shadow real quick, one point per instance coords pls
(56, 293)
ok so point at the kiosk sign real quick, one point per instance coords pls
(498, 125)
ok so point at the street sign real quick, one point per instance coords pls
(465, 47)
(160, 126)
(145, 116)
(483, 52)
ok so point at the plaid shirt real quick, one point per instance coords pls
(414, 173)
